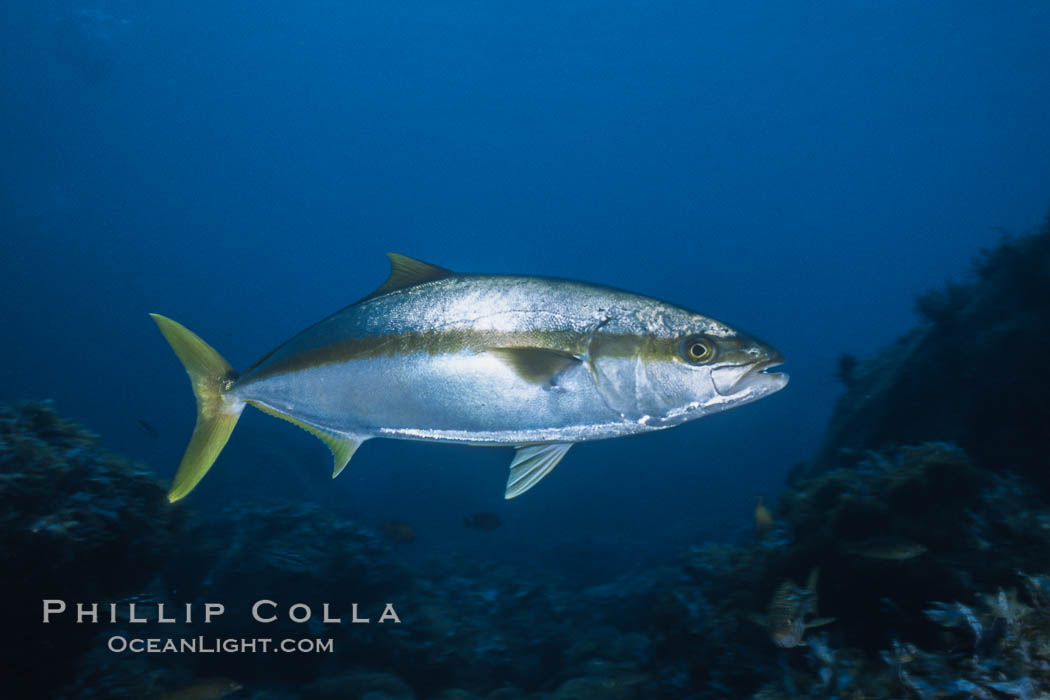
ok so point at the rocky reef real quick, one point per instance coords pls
(973, 372)
(919, 554)
(76, 522)
(907, 559)
(890, 537)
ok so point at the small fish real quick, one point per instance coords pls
(788, 610)
(287, 560)
(533, 363)
(55, 525)
(886, 548)
(203, 690)
(763, 519)
(482, 521)
(148, 428)
(399, 532)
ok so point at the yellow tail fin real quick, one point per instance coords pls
(211, 377)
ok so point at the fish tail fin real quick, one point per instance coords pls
(217, 414)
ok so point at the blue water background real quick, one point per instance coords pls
(799, 170)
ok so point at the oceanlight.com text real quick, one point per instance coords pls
(218, 645)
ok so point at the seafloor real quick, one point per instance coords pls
(921, 528)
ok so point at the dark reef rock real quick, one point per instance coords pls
(971, 530)
(964, 530)
(66, 504)
(77, 524)
(359, 684)
(931, 486)
(910, 529)
(290, 546)
(975, 373)
(292, 553)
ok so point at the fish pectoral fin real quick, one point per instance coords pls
(407, 272)
(531, 463)
(820, 622)
(342, 445)
(535, 365)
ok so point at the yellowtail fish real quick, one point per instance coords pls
(529, 362)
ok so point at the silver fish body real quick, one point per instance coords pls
(499, 360)
(452, 386)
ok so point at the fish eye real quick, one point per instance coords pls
(697, 351)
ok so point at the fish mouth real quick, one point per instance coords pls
(754, 379)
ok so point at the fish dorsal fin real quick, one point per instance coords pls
(531, 463)
(811, 580)
(407, 272)
(535, 365)
(343, 446)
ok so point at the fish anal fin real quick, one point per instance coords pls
(343, 446)
(535, 365)
(531, 463)
(407, 272)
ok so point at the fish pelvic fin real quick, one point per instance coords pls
(531, 463)
(211, 378)
(343, 446)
